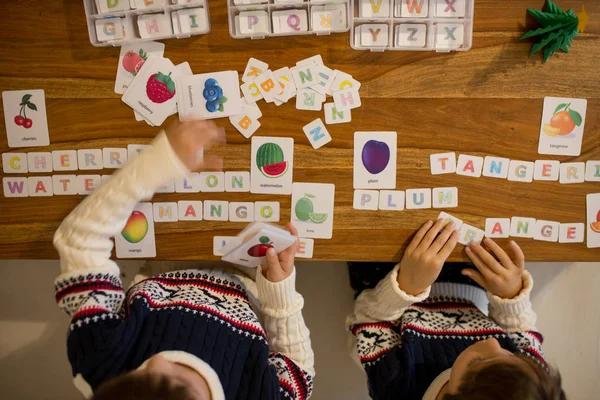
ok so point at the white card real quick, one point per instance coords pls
(152, 92)
(563, 122)
(366, 199)
(208, 96)
(521, 171)
(14, 163)
(572, 172)
(131, 59)
(252, 251)
(375, 160)
(391, 200)
(154, 25)
(86, 184)
(165, 212)
(189, 210)
(114, 157)
(222, 242)
(215, 210)
(316, 59)
(411, 35)
(189, 184)
(137, 240)
(546, 231)
(445, 197)
(546, 170)
(374, 8)
(237, 181)
(251, 92)
(15, 187)
(412, 8)
(571, 233)
(305, 248)
(287, 86)
(468, 234)
(593, 220)
(418, 198)
(253, 69)
(442, 163)
(267, 85)
(266, 211)
(522, 227)
(25, 118)
(109, 29)
(497, 227)
(450, 8)
(592, 170)
(64, 160)
(374, 35)
(252, 22)
(496, 167)
(334, 116)
(325, 77)
(312, 209)
(347, 99)
(305, 75)
(241, 211)
(192, 20)
(449, 36)
(90, 159)
(290, 21)
(65, 185)
(343, 81)
(245, 124)
(271, 165)
(447, 218)
(39, 161)
(308, 99)
(40, 186)
(212, 181)
(469, 165)
(317, 133)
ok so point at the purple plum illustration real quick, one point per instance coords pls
(375, 156)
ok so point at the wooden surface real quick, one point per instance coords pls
(486, 101)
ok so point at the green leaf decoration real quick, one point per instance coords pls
(222, 100)
(143, 54)
(576, 117)
(166, 79)
(560, 107)
(32, 106)
(221, 108)
(26, 98)
(264, 239)
(554, 9)
(310, 196)
(541, 31)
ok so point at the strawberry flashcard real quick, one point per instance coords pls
(131, 60)
(152, 91)
(25, 118)
(209, 96)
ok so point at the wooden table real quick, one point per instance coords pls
(486, 101)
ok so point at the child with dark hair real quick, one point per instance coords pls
(421, 339)
(181, 335)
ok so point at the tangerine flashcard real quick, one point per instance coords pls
(375, 160)
(209, 96)
(312, 209)
(131, 59)
(563, 122)
(271, 165)
(593, 220)
(137, 240)
(25, 118)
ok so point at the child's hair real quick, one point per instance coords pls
(502, 381)
(146, 386)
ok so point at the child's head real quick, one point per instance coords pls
(486, 371)
(161, 379)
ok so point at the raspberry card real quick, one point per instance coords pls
(312, 209)
(561, 131)
(209, 96)
(137, 240)
(25, 118)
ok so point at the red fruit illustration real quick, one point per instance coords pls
(160, 88)
(132, 62)
(260, 250)
(21, 119)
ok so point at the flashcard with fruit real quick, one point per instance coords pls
(562, 126)
(137, 240)
(256, 239)
(375, 160)
(152, 92)
(271, 165)
(25, 118)
(131, 59)
(593, 220)
(312, 209)
(209, 96)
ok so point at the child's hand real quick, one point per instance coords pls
(503, 278)
(425, 256)
(187, 138)
(280, 266)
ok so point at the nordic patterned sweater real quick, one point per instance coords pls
(405, 342)
(204, 313)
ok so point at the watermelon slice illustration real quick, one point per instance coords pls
(269, 159)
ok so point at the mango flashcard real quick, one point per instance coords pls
(137, 239)
(312, 209)
(375, 160)
(209, 96)
(593, 220)
(563, 122)
(271, 165)
(25, 118)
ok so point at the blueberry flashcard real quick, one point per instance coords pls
(312, 209)
(593, 220)
(375, 160)
(561, 131)
(25, 118)
(271, 165)
(131, 59)
(209, 96)
(137, 240)
(152, 92)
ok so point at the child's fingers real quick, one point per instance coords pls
(487, 258)
(475, 275)
(212, 163)
(431, 234)
(442, 238)
(418, 236)
(518, 254)
(481, 266)
(498, 251)
(449, 246)
(273, 260)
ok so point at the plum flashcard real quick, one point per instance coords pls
(131, 59)
(312, 209)
(152, 91)
(593, 220)
(375, 160)
(209, 96)
(25, 118)
(137, 240)
(561, 131)
(271, 165)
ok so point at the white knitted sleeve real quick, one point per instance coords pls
(516, 314)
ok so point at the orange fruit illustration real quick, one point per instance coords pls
(595, 226)
(563, 121)
(549, 130)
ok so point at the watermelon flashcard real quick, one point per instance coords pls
(271, 165)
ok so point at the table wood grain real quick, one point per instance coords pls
(486, 101)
